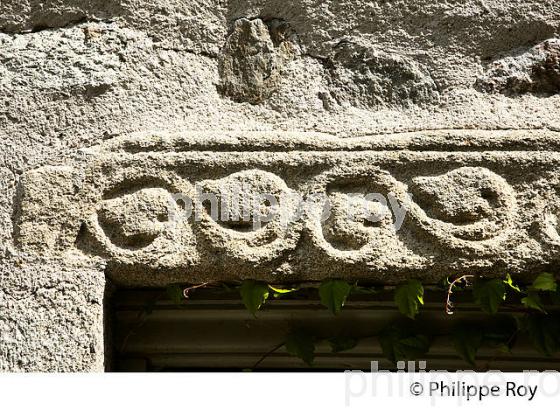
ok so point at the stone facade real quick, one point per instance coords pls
(450, 110)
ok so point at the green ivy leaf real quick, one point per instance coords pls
(302, 345)
(509, 281)
(149, 307)
(533, 301)
(174, 294)
(254, 294)
(342, 343)
(371, 290)
(501, 335)
(467, 339)
(489, 294)
(503, 348)
(413, 347)
(277, 292)
(226, 287)
(444, 283)
(333, 294)
(409, 296)
(282, 291)
(544, 332)
(556, 296)
(399, 342)
(545, 282)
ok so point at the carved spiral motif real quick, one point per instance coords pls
(136, 217)
(469, 208)
(253, 217)
(466, 209)
(349, 222)
(352, 213)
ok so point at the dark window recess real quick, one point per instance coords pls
(212, 331)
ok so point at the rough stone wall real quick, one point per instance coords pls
(76, 74)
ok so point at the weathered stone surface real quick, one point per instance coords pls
(76, 73)
(52, 315)
(536, 70)
(475, 201)
(254, 58)
(364, 76)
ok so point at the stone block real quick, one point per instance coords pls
(425, 204)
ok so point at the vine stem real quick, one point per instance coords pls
(448, 302)
(187, 290)
(275, 348)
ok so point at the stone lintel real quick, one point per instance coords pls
(444, 202)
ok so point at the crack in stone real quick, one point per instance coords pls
(71, 24)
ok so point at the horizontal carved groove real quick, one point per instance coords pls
(253, 141)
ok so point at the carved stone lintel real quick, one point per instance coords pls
(426, 204)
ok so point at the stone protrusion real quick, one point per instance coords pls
(364, 76)
(254, 57)
(536, 70)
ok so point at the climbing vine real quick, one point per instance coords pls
(405, 339)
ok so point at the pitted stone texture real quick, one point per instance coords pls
(196, 25)
(485, 203)
(51, 315)
(246, 235)
(362, 75)
(254, 57)
(464, 195)
(163, 59)
(536, 70)
(74, 73)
